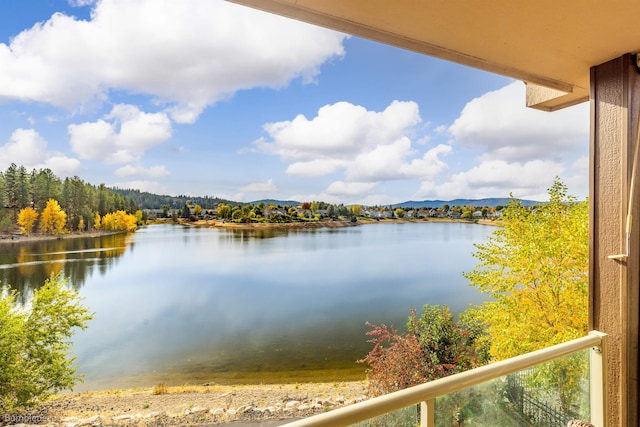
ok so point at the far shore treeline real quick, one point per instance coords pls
(26, 195)
(39, 201)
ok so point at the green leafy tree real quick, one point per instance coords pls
(35, 352)
(223, 211)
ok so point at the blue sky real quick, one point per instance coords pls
(205, 97)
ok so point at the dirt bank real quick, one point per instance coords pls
(194, 405)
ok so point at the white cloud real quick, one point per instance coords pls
(389, 162)
(130, 170)
(496, 178)
(260, 187)
(26, 147)
(338, 132)
(502, 126)
(121, 137)
(348, 189)
(189, 54)
(368, 146)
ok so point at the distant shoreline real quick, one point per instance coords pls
(321, 224)
(12, 238)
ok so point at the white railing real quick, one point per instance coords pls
(425, 394)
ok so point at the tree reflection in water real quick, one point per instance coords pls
(24, 266)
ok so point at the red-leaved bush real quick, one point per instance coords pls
(434, 346)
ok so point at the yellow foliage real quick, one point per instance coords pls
(119, 221)
(97, 221)
(535, 267)
(27, 219)
(53, 218)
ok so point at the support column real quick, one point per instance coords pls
(614, 283)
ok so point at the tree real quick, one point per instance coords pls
(223, 211)
(44, 186)
(435, 346)
(35, 352)
(97, 221)
(119, 221)
(27, 219)
(185, 212)
(356, 210)
(535, 268)
(399, 213)
(53, 218)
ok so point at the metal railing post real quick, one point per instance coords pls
(598, 381)
(428, 413)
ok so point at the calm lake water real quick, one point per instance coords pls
(184, 305)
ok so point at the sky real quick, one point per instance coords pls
(210, 98)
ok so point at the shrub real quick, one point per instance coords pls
(34, 348)
(436, 345)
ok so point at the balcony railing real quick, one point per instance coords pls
(425, 395)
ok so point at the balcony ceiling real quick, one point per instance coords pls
(549, 44)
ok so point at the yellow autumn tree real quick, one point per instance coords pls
(119, 221)
(97, 221)
(53, 218)
(535, 268)
(27, 219)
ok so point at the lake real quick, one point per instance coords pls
(180, 305)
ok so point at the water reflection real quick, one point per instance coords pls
(191, 305)
(25, 266)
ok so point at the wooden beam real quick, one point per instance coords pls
(614, 283)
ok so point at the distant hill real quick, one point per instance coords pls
(147, 200)
(489, 202)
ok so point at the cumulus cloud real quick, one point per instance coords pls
(260, 187)
(367, 146)
(26, 147)
(500, 124)
(342, 189)
(515, 149)
(188, 54)
(496, 178)
(121, 136)
(131, 170)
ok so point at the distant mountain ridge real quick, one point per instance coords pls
(490, 202)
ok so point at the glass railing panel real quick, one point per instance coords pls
(549, 394)
(405, 417)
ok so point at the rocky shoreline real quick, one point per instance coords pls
(190, 405)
